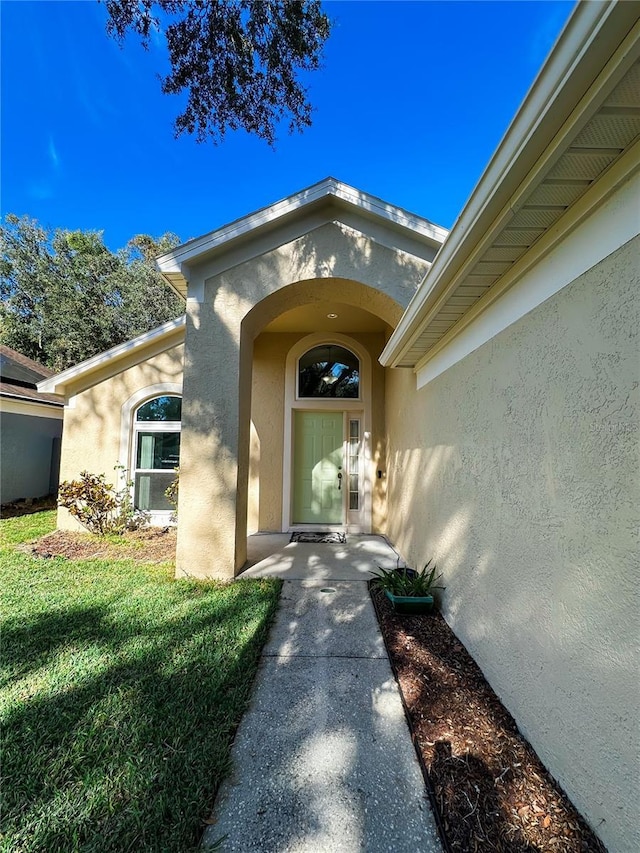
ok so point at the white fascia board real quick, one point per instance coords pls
(604, 228)
(396, 216)
(167, 332)
(172, 261)
(175, 261)
(34, 408)
(590, 38)
(350, 220)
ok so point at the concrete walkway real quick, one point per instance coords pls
(323, 760)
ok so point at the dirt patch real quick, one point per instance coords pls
(491, 789)
(151, 544)
(27, 506)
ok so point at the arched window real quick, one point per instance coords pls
(328, 370)
(156, 451)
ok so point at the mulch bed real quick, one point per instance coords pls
(149, 545)
(490, 788)
(27, 506)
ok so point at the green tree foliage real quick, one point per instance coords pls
(239, 61)
(66, 296)
(328, 379)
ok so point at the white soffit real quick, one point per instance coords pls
(492, 242)
(328, 199)
(106, 364)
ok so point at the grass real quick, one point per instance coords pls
(120, 692)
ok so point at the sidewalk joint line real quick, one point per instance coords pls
(342, 657)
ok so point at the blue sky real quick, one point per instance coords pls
(411, 103)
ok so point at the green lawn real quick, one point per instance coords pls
(120, 691)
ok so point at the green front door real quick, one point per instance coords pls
(317, 462)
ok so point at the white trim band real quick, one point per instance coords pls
(608, 228)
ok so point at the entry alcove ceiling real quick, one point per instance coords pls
(313, 318)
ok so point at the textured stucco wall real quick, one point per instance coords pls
(331, 251)
(270, 354)
(93, 426)
(267, 413)
(517, 469)
(28, 452)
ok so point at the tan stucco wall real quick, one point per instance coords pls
(267, 415)
(92, 433)
(331, 252)
(517, 470)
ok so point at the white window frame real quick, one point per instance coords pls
(129, 433)
(353, 514)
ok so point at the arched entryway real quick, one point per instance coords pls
(283, 333)
(243, 320)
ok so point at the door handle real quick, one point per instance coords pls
(339, 480)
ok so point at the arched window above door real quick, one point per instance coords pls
(328, 370)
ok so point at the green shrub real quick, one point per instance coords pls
(408, 582)
(171, 494)
(99, 506)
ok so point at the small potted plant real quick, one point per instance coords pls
(409, 590)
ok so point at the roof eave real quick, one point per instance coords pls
(174, 265)
(41, 402)
(594, 28)
(165, 336)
